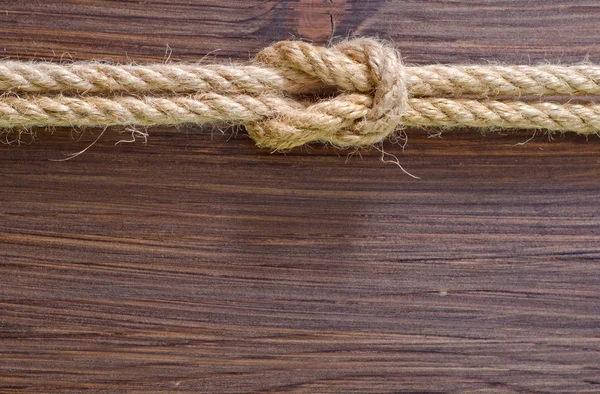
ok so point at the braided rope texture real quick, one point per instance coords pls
(273, 97)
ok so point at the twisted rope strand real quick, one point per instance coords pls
(493, 80)
(244, 109)
(36, 77)
(422, 81)
(144, 111)
(441, 112)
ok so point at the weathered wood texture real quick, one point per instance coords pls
(199, 263)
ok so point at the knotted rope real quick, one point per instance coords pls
(365, 85)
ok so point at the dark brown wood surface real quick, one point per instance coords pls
(199, 263)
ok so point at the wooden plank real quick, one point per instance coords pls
(199, 263)
(425, 32)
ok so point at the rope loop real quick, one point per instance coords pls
(371, 94)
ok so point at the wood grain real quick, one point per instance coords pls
(199, 263)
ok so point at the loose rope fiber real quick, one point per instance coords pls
(368, 94)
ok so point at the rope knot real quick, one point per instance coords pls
(371, 94)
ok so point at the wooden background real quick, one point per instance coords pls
(200, 263)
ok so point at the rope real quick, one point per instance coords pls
(249, 110)
(421, 81)
(274, 96)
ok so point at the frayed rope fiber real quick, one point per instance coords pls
(368, 94)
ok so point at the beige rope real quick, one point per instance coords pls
(422, 81)
(490, 81)
(441, 112)
(30, 77)
(289, 118)
(273, 97)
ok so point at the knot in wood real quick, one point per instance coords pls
(370, 84)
